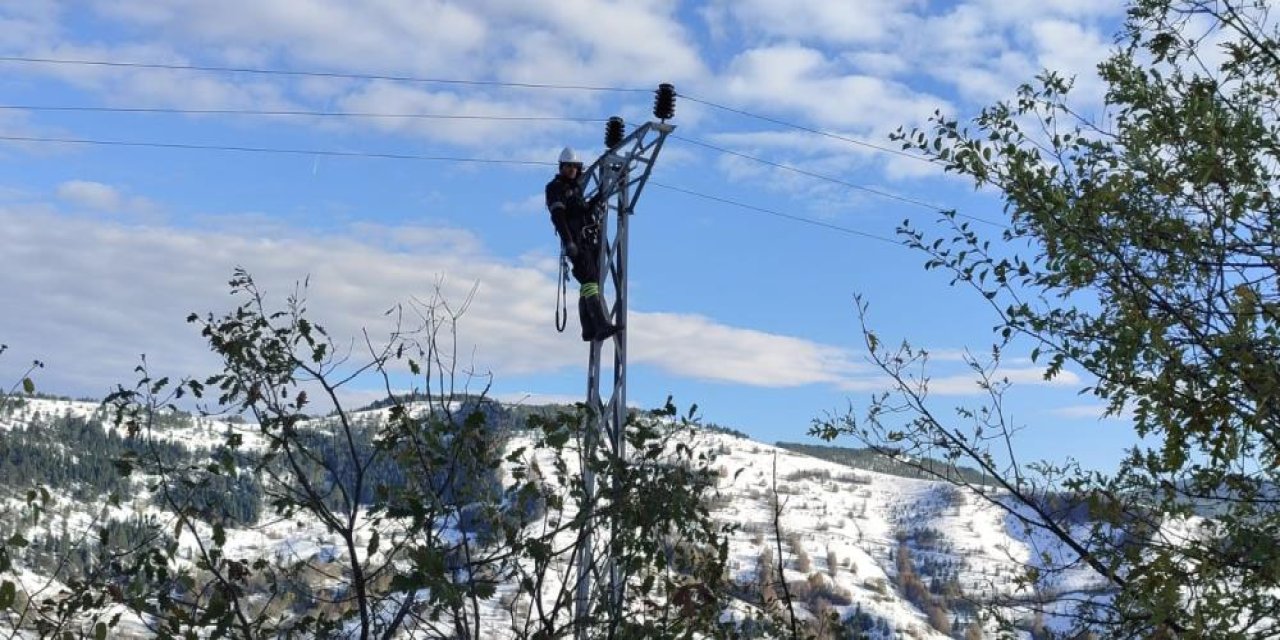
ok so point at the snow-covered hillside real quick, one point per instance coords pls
(849, 529)
(892, 556)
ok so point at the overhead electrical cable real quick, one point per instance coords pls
(298, 112)
(407, 156)
(804, 172)
(275, 150)
(444, 116)
(448, 81)
(800, 127)
(318, 74)
(776, 213)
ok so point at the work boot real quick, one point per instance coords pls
(602, 329)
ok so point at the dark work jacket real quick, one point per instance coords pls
(570, 212)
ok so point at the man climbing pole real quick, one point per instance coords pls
(578, 227)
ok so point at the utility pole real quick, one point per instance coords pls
(616, 179)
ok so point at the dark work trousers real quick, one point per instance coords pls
(586, 265)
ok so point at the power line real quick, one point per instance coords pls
(804, 172)
(316, 74)
(275, 150)
(878, 192)
(290, 112)
(774, 212)
(800, 127)
(442, 116)
(449, 81)
(405, 156)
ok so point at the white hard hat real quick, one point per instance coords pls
(568, 156)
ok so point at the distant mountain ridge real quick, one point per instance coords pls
(863, 458)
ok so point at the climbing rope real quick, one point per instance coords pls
(562, 293)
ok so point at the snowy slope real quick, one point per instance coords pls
(843, 531)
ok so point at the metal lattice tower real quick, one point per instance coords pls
(616, 179)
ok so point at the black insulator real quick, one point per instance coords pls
(613, 132)
(664, 104)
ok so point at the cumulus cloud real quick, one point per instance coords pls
(858, 70)
(1073, 50)
(1088, 412)
(99, 197)
(832, 172)
(512, 118)
(809, 62)
(841, 23)
(1020, 12)
(590, 41)
(967, 383)
(94, 294)
(27, 24)
(576, 42)
(394, 35)
(697, 347)
(93, 195)
(529, 205)
(804, 80)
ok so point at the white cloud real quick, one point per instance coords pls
(533, 204)
(1020, 12)
(831, 178)
(96, 196)
(27, 24)
(963, 384)
(420, 36)
(698, 347)
(591, 41)
(803, 80)
(141, 87)
(878, 63)
(19, 124)
(94, 294)
(1074, 51)
(841, 66)
(967, 384)
(394, 98)
(842, 23)
(93, 195)
(575, 42)
(1087, 412)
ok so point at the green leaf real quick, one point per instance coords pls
(16, 540)
(100, 631)
(558, 438)
(28, 386)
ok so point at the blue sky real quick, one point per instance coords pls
(108, 248)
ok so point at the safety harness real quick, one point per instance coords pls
(590, 235)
